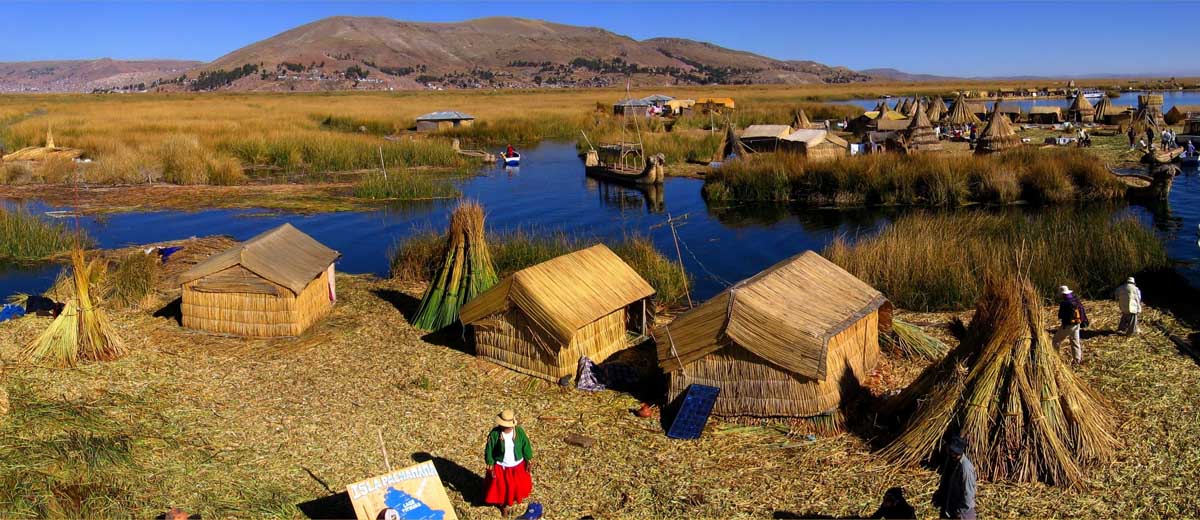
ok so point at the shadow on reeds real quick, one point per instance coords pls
(172, 311)
(455, 477)
(330, 507)
(405, 303)
(453, 336)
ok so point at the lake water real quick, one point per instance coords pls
(1170, 99)
(551, 193)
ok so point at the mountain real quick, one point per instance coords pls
(381, 53)
(86, 75)
(897, 75)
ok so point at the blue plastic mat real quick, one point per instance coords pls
(693, 412)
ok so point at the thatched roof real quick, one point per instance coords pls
(881, 108)
(766, 131)
(1179, 113)
(937, 109)
(921, 136)
(1081, 109)
(730, 145)
(786, 315)
(886, 124)
(801, 121)
(998, 135)
(813, 137)
(563, 294)
(284, 256)
(960, 114)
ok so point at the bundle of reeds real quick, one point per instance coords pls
(909, 340)
(82, 331)
(465, 272)
(1025, 415)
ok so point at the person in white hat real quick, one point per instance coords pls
(1073, 318)
(1129, 300)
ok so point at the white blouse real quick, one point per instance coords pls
(510, 457)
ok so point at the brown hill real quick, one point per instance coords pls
(379, 53)
(87, 75)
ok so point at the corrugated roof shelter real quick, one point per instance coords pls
(276, 284)
(543, 318)
(657, 100)
(631, 107)
(785, 343)
(435, 121)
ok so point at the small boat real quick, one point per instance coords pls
(1153, 184)
(650, 173)
(513, 160)
(1162, 156)
(1093, 95)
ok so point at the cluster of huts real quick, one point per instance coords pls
(664, 105)
(790, 341)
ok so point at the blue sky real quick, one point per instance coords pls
(964, 38)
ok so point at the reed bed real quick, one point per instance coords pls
(1026, 174)
(465, 271)
(25, 237)
(1025, 414)
(404, 186)
(132, 279)
(935, 261)
(417, 259)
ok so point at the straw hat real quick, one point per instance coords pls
(506, 419)
(1064, 290)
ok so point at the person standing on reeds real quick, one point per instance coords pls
(1073, 317)
(1129, 299)
(955, 495)
(508, 455)
(1132, 137)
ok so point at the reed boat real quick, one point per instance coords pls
(511, 161)
(1153, 183)
(644, 172)
(1162, 156)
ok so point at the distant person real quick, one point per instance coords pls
(895, 506)
(1132, 136)
(1191, 148)
(1073, 317)
(955, 495)
(972, 133)
(1129, 301)
(1150, 138)
(510, 151)
(508, 455)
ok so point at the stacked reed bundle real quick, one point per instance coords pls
(1025, 415)
(82, 331)
(466, 271)
(909, 340)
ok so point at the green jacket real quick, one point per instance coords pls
(494, 451)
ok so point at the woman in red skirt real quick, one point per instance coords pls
(508, 456)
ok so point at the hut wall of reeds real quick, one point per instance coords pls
(1081, 110)
(543, 318)
(276, 284)
(1181, 113)
(1045, 115)
(998, 135)
(920, 136)
(792, 341)
(816, 145)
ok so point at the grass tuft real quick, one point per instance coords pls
(25, 237)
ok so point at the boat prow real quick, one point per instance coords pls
(654, 172)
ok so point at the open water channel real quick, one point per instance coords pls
(550, 193)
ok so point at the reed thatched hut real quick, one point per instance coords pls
(543, 318)
(1045, 115)
(789, 342)
(937, 109)
(960, 114)
(1081, 110)
(1181, 113)
(998, 135)
(764, 138)
(276, 284)
(815, 144)
(921, 137)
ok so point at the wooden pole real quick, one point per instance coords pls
(381, 165)
(679, 254)
(383, 447)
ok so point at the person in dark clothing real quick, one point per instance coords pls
(1072, 317)
(894, 506)
(955, 496)
(1150, 138)
(1132, 137)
